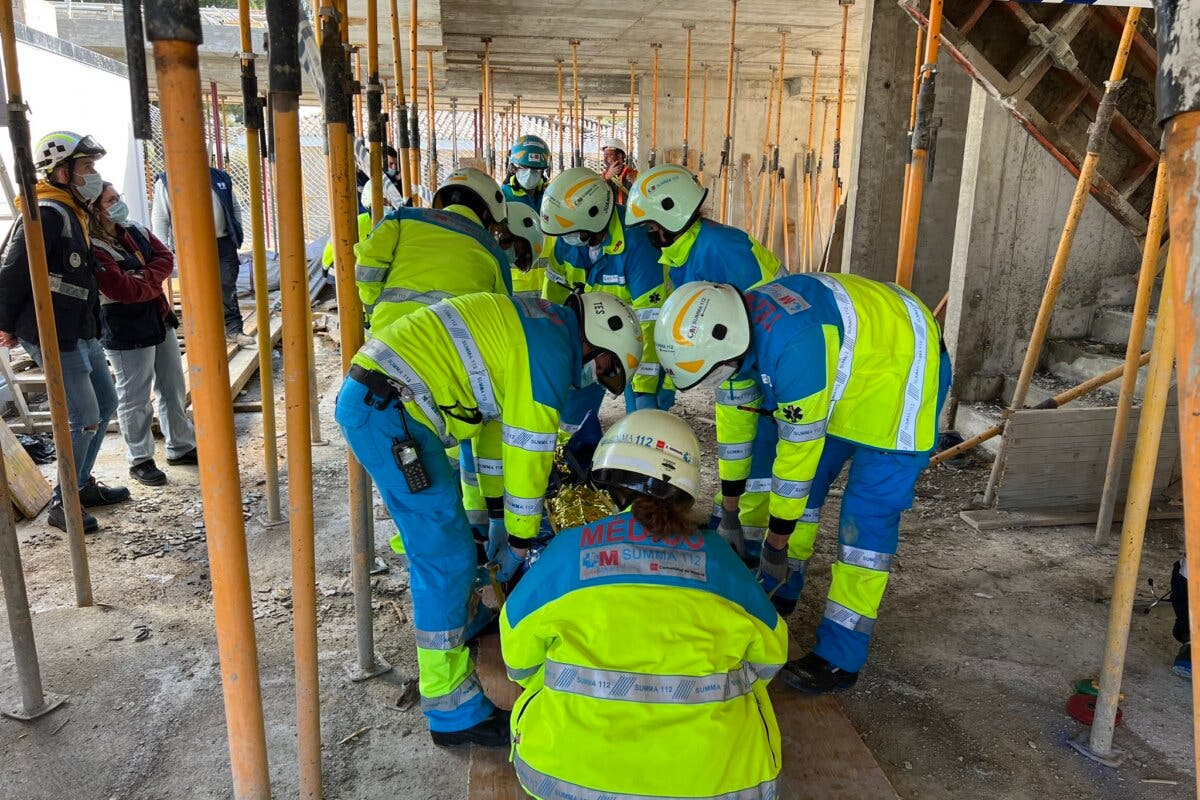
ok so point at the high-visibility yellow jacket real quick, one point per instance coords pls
(843, 356)
(417, 256)
(627, 267)
(486, 357)
(710, 251)
(364, 230)
(645, 666)
(531, 282)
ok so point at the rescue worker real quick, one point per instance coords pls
(595, 252)
(67, 163)
(417, 256)
(647, 633)
(365, 224)
(667, 200)
(436, 376)
(525, 246)
(617, 169)
(528, 165)
(851, 370)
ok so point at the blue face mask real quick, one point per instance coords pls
(574, 239)
(118, 212)
(93, 187)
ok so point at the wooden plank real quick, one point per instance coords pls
(997, 519)
(823, 756)
(18, 397)
(29, 488)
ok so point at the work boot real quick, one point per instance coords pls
(189, 458)
(94, 493)
(492, 732)
(1183, 662)
(147, 473)
(57, 517)
(814, 675)
(240, 339)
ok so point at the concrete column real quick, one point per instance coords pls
(876, 164)
(1012, 202)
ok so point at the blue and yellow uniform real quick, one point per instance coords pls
(516, 193)
(455, 366)
(616, 636)
(851, 370)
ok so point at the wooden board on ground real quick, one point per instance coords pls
(29, 488)
(1057, 457)
(823, 756)
(996, 519)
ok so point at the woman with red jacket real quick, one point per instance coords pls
(137, 330)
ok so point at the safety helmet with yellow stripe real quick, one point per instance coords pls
(667, 195)
(702, 333)
(577, 200)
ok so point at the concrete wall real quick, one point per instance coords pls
(884, 102)
(749, 123)
(1012, 204)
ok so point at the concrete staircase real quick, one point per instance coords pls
(1066, 363)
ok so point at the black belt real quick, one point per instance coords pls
(382, 391)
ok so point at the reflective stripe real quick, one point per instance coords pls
(370, 274)
(838, 614)
(648, 369)
(906, 437)
(521, 674)
(795, 490)
(462, 694)
(489, 466)
(758, 485)
(867, 559)
(849, 334)
(648, 314)
(59, 286)
(811, 515)
(798, 434)
(639, 687)
(523, 506)
(397, 368)
(766, 671)
(529, 440)
(738, 397)
(471, 356)
(477, 517)
(735, 452)
(798, 565)
(548, 787)
(441, 640)
(470, 478)
(396, 294)
(570, 427)
(753, 534)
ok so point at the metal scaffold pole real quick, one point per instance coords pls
(415, 134)
(836, 194)
(728, 142)
(632, 105)
(656, 47)
(703, 121)
(404, 144)
(577, 123)
(687, 93)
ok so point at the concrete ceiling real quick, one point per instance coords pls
(528, 35)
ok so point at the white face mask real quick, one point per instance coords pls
(118, 212)
(529, 178)
(93, 187)
(718, 376)
(587, 376)
(574, 239)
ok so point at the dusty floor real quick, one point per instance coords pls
(981, 637)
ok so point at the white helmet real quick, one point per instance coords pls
(609, 325)
(524, 223)
(613, 144)
(649, 452)
(703, 327)
(668, 195)
(474, 189)
(58, 146)
(577, 200)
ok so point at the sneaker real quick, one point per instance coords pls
(240, 339)
(147, 473)
(1183, 662)
(188, 458)
(814, 675)
(94, 493)
(492, 732)
(57, 517)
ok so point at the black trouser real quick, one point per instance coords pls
(228, 255)
(1179, 601)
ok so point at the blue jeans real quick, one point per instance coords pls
(91, 401)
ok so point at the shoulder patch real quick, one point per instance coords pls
(789, 301)
(643, 560)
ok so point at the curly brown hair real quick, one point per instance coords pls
(664, 518)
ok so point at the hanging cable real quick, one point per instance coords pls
(836, 195)
(725, 149)
(703, 121)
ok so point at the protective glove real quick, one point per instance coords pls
(665, 399)
(507, 562)
(497, 537)
(643, 401)
(731, 531)
(773, 569)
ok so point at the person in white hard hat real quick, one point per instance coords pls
(649, 631)
(365, 223)
(617, 169)
(526, 248)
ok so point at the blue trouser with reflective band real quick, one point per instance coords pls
(441, 555)
(754, 505)
(880, 488)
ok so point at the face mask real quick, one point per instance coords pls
(718, 376)
(391, 173)
(529, 178)
(118, 212)
(574, 239)
(587, 377)
(93, 187)
(659, 238)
